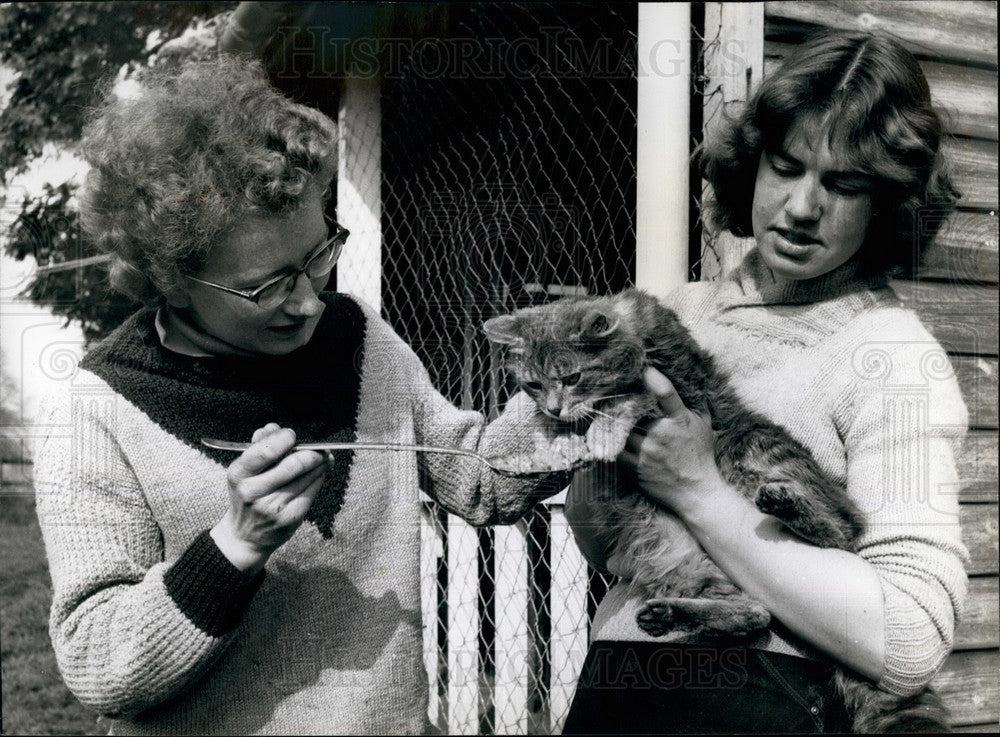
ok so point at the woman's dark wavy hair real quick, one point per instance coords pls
(875, 98)
(177, 166)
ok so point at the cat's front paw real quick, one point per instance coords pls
(606, 436)
(777, 499)
(806, 517)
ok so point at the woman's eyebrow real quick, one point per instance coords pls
(281, 271)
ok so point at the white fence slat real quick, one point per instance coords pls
(511, 599)
(568, 647)
(463, 627)
(431, 550)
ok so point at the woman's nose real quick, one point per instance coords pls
(803, 201)
(303, 301)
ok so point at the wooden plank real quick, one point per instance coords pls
(962, 317)
(965, 249)
(512, 640)
(979, 533)
(980, 624)
(966, 31)
(569, 618)
(733, 67)
(969, 686)
(988, 727)
(977, 378)
(977, 466)
(463, 627)
(965, 97)
(974, 170)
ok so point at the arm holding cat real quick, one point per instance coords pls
(887, 611)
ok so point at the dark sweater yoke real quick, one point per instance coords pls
(314, 390)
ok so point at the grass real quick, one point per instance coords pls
(35, 699)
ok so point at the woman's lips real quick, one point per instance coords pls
(287, 329)
(794, 243)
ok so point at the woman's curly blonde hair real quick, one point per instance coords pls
(177, 166)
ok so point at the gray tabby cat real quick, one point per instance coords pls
(581, 360)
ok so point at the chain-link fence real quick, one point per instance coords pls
(508, 179)
(505, 148)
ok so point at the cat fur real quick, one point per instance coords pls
(581, 359)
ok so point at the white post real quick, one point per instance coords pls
(431, 551)
(569, 617)
(512, 637)
(463, 627)
(359, 185)
(663, 128)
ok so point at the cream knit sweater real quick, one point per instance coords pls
(152, 625)
(858, 380)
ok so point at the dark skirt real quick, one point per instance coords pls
(654, 688)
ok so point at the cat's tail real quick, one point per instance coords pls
(877, 712)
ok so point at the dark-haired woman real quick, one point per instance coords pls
(276, 592)
(835, 169)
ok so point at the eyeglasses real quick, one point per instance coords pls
(319, 263)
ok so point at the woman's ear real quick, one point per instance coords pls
(503, 330)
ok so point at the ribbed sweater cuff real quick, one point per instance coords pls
(208, 589)
(914, 650)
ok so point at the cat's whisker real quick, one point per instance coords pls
(617, 396)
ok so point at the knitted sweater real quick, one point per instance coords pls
(153, 626)
(857, 379)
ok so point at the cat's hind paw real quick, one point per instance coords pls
(655, 618)
(710, 619)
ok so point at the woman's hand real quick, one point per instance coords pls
(673, 457)
(270, 492)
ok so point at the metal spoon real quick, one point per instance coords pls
(491, 462)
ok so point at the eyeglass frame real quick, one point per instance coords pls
(253, 295)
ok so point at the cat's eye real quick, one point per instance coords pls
(571, 379)
(533, 386)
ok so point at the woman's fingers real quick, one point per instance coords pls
(300, 492)
(267, 449)
(628, 459)
(298, 505)
(268, 429)
(666, 396)
(296, 467)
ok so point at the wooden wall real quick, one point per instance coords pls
(956, 291)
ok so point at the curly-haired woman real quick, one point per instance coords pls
(835, 168)
(189, 597)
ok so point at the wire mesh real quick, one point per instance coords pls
(508, 179)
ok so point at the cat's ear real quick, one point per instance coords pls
(596, 325)
(504, 330)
